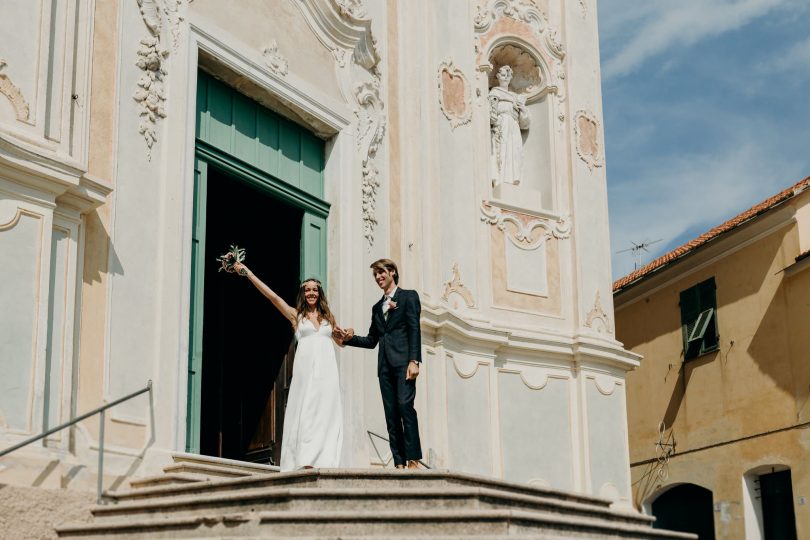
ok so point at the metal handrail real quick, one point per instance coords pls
(101, 412)
(371, 433)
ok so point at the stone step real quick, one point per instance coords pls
(449, 523)
(354, 478)
(209, 471)
(243, 466)
(298, 499)
(166, 479)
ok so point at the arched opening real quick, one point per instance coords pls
(768, 503)
(685, 508)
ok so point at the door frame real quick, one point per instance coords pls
(323, 113)
(313, 252)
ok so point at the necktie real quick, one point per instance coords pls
(386, 306)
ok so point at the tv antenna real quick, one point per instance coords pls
(637, 248)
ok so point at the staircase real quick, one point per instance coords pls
(201, 497)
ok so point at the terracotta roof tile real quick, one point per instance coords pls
(708, 236)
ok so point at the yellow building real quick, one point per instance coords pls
(719, 410)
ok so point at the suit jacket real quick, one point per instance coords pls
(399, 336)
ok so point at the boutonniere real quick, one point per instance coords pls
(392, 305)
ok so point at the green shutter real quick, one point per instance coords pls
(690, 309)
(313, 248)
(707, 292)
(699, 319)
(237, 126)
(196, 318)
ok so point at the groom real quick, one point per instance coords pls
(395, 326)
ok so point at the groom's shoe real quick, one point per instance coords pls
(399, 466)
(413, 464)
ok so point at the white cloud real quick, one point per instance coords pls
(682, 193)
(660, 25)
(796, 60)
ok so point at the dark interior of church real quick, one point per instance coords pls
(245, 338)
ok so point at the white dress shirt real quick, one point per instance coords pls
(386, 303)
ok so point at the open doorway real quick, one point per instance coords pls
(245, 339)
(685, 508)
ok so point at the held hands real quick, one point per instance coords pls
(342, 335)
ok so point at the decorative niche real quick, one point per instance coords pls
(521, 87)
(521, 161)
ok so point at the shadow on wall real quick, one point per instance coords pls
(770, 345)
(733, 287)
(99, 253)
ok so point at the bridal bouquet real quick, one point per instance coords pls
(228, 260)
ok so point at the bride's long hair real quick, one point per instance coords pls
(322, 305)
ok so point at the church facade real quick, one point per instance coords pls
(139, 139)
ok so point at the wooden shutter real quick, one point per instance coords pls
(313, 248)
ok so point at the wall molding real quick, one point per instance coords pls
(456, 118)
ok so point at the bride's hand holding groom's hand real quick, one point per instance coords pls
(341, 336)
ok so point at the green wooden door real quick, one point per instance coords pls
(270, 153)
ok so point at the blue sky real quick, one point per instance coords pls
(706, 110)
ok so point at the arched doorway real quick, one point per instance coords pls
(768, 503)
(685, 508)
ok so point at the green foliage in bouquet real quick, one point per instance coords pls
(228, 260)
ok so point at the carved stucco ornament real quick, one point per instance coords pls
(597, 318)
(454, 94)
(163, 19)
(352, 8)
(456, 286)
(344, 28)
(14, 95)
(274, 59)
(530, 29)
(520, 10)
(522, 231)
(370, 132)
(150, 93)
(589, 140)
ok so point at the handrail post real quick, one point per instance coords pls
(100, 481)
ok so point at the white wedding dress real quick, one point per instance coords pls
(313, 421)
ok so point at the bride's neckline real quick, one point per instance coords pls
(313, 324)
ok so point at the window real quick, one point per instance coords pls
(699, 320)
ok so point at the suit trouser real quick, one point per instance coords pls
(400, 416)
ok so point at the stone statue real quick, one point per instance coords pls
(507, 117)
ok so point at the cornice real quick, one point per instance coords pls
(440, 324)
(33, 165)
(91, 193)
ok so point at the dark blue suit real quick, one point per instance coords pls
(399, 338)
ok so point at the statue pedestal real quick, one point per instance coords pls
(518, 196)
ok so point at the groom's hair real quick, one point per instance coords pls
(387, 264)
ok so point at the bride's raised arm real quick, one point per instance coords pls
(285, 309)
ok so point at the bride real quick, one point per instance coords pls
(313, 422)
